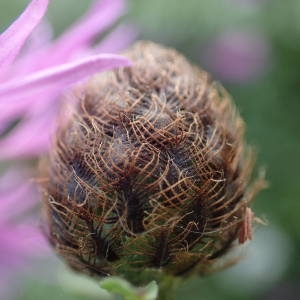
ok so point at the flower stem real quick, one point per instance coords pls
(167, 287)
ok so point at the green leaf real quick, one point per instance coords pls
(151, 291)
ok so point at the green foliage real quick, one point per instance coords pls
(123, 288)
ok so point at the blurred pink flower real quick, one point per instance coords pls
(18, 240)
(43, 72)
(34, 72)
(237, 56)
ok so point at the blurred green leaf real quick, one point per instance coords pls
(123, 288)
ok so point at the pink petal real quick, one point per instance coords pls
(118, 40)
(34, 51)
(18, 200)
(100, 16)
(12, 110)
(30, 138)
(18, 243)
(13, 38)
(60, 76)
(40, 37)
(11, 175)
(237, 56)
(19, 247)
(17, 193)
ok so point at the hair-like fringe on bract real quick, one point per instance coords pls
(150, 171)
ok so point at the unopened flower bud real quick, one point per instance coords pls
(150, 171)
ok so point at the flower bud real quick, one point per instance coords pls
(150, 172)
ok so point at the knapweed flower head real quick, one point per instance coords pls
(150, 172)
(34, 72)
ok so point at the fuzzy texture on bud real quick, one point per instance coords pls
(149, 172)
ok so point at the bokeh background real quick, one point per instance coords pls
(253, 48)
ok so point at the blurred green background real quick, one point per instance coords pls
(253, 48)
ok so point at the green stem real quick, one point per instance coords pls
(167, 287)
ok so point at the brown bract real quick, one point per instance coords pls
(150, 172)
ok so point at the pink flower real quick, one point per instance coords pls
(34, 72)
(237, 56)
(19, 241)
(17, 197)
(43, 72)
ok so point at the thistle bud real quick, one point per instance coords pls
(150, 172)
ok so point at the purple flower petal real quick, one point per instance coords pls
(31, 86)
(11, 177)
(60, 76)
(119, 39)
(100, 16)
(18, 246)
(13, 38)
(237, 56)
(16, 199)
(42, 36)
(20, 242)
(36, 46)
(11, 111)
(30, 138)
